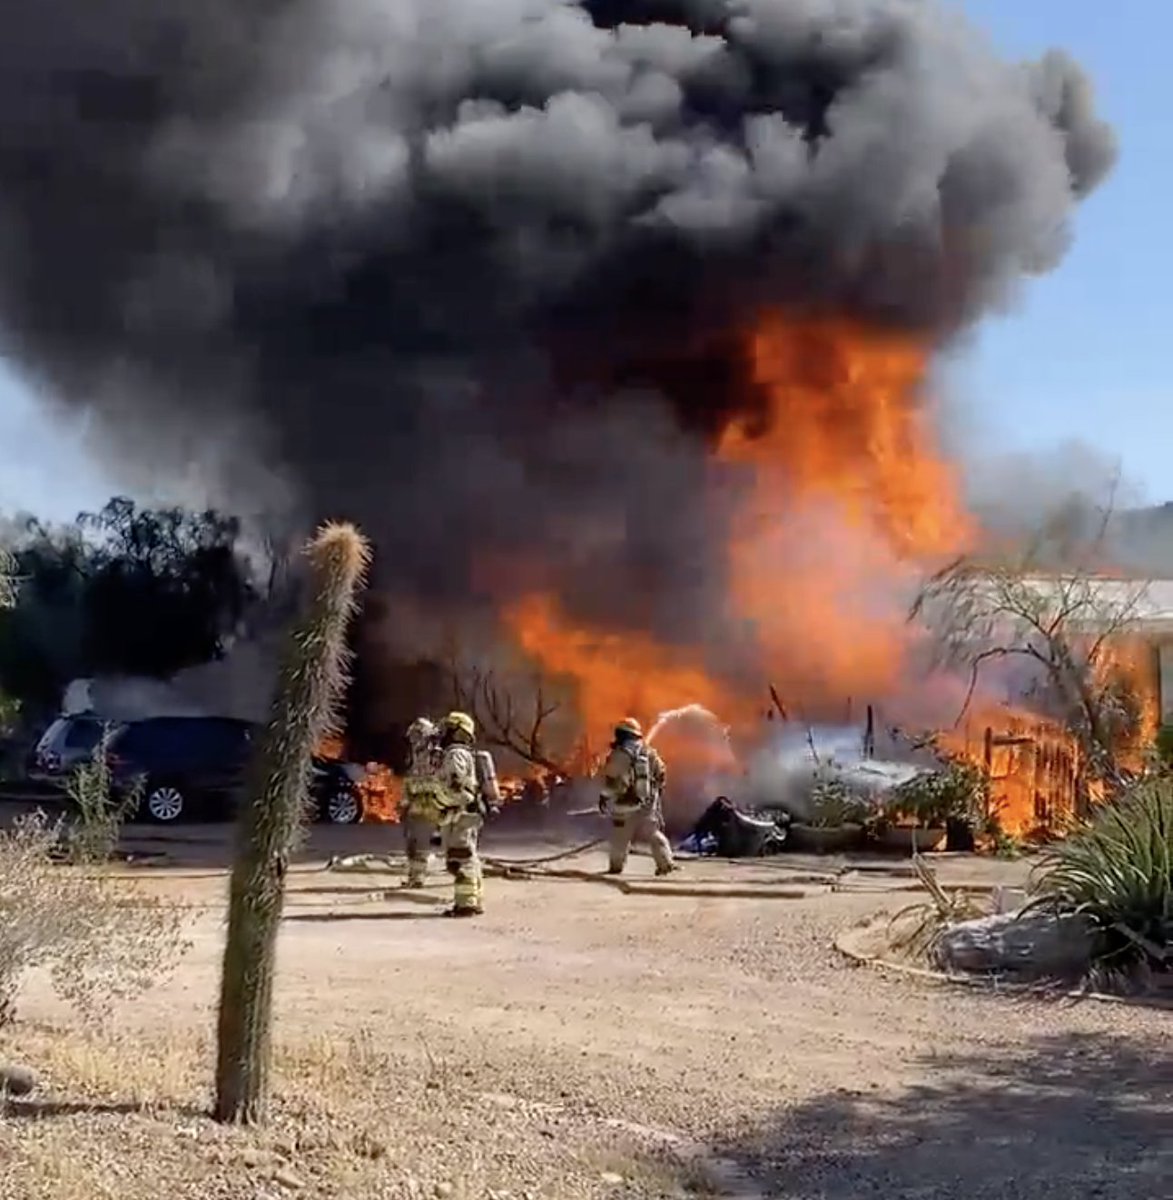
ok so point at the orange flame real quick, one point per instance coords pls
(844, 500)
(617, 673)
(848, 494)
(845, 493)
(1034, 762)
(380, 789)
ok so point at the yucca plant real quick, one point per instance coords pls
(916, 930)
(1116, 872)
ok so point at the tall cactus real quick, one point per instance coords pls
(311, 682)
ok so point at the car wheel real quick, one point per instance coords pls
(342, 807)
(164, 804)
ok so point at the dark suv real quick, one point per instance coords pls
(194, 768)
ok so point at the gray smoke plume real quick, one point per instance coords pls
(475, 272)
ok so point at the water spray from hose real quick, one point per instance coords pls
(689, 710)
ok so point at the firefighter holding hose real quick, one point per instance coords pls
(633, 782)
(420, 813)
(468, 794)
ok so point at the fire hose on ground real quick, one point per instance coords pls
(543, 865)
(523, 868)
(364, 862)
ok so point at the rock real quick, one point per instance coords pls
(1031, 943)
(611, 1177)
(1007, 899)
(288, 1180)
(16, 1081)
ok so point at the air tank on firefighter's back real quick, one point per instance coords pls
(488, 786)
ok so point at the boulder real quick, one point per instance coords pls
(1035, 942)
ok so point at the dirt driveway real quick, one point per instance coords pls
(578, 1042)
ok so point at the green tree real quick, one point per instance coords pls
(41, 633)
(121, 591)
(165, 587)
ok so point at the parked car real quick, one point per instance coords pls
(66, 745)
(337, 791)
(194, 768)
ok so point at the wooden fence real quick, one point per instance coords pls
(1034, 778)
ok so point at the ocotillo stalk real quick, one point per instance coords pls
(312, 678)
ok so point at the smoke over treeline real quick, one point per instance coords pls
(474, 272)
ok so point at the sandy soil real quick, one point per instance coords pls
(694, 1038)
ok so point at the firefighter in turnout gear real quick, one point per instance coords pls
(468, 795)
(632, 786)
(420, 812)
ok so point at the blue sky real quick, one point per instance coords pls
(1085, 355)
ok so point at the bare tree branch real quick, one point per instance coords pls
(502, 719)
(1062, 616)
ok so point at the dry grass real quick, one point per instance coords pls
(120, 1116)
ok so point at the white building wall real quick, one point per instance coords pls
(1165, 680)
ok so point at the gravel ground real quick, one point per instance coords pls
(578, 1042)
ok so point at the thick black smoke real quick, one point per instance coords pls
(472, 271)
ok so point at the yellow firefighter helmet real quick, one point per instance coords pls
(463, 722)
(629, 727)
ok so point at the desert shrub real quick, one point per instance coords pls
(92, 834)
(833, 804)
(1004, 845)
(956, 792)
(1117, 872)
(99, 938)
